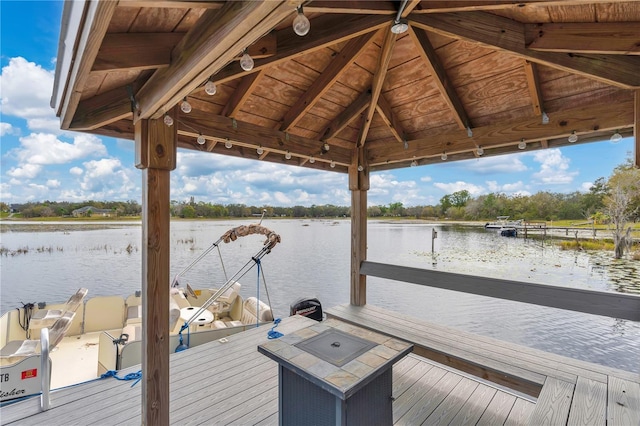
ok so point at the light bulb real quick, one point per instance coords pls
(573, 137)
(312, 160)
(406, 144)
(360, 168)
(399, 26)
(480, 150)
(616, 137)
(228, 144)
(545, 118)
(210, 88)
(414, 163)
(246, 62)
(201, 140)
(301, 24)
(326, 146)
(522, 144)
(469, 132)
(185, 106)
(259, 150)
(443, 157)
(168, 120)
(332, 164)
(287, 155)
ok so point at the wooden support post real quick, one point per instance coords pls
(156, 146)
(359, 185)
(636, 129)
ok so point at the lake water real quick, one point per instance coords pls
(313, 260)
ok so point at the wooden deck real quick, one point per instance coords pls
(231, 383)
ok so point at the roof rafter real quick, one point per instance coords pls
(214, 41)
(356, 108)
(582, 120)
(132, 51)
(241, 94)
(328, 30)
(506, 34)
(378, 80)
(384, 110)
(324, 82)
(446, 87)
(612, 38)
(533, 81)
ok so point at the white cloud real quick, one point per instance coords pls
(586, 186)
(452, 187)
(53, 183)
(77, 171)
(426, 179)
(554, 168)
(282, 198)
(502, 164)
(27, 171)
(46, 149)
(8, 129)
(105, 179)
(25, 90)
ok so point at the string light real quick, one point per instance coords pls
(259, 150)
(469, 132)
(332, 164)
(522, 144)
(480, 150)
(414, 163)
(360, 168)
(312, 160)
(168, 120)
(246, 62)
(573, 137)
(201, 140)
(443, 157)
(185, 106)
(301, 24)
(326, 147)
(228, 144)
(210, 88)
(616, 137)
(287, 155)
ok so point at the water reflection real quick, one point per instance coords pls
(313, 260)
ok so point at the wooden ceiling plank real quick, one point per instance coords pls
(89, 40)
(440, 6)
(365, 7)
(241, 94)
(352, 111)
(446, 87)
(127, 51)
(251, 135)
(612, 38)
(218, 37)
(325, 81)
(582, 120)
(102, 109)
(177, 4)
(533, 81)
(386, 113)
(378, 80)
(508, 35)
(327, 30)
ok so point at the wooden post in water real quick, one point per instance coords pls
(156, 146)
(359, 185)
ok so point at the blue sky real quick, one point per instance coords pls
(40, 162)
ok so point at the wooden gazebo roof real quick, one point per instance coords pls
(466, 74)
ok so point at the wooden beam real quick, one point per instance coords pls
(533, 82)
(156, 146)
(250, 135)
(358, 184)
(241, 94)
(173, 4)
(352, 111)
(378, 80)
(214, 41)
(508, 35)
(608, 38)
(135, 51)
(636, 128)
(445, 86)
(327, 30)
(325, 81)
(102, 109)
(583, 120)
(614, 305)
(97, 19)
(384, 110)
(440, 6)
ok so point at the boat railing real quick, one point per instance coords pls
(610, 304)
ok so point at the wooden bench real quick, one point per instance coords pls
(567, 390)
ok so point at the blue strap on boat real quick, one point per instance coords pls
(137, 376)
(272, 334)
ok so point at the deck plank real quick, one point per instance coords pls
(412, 395)
(475, 406)
(447, 410)
(553, 403)
(589, 406)
(623, 402)
(498, 410)
(430, 400)
(520, 413)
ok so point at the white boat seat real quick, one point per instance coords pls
(47, 317)
(230, 294)
(134, 314)
(16, 350)
(218, 324)
(252, 308)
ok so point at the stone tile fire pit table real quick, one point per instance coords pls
(334, 373)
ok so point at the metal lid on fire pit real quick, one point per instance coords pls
(336, 347)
